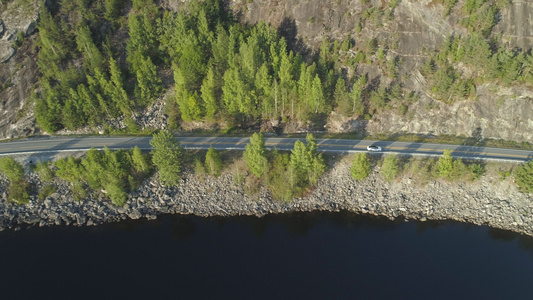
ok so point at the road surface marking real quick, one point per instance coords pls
(242, 141)
(362, 146)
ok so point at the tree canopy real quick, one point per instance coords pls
(114, 172)
(524, 177)
(360, 166)
(11, 168)
(255, 155)
(390, 168)
(445, 163)
(213, 162)
(166, 156)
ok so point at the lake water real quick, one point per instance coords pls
(296, 256)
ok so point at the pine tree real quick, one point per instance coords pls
(139, 160)
(196, 107)
(317, 169)
(166, 156)
(193, 60)
(263, 85)
(89, 105)
(280, 187)
(143, 34)
(286, 75)
(171, 29)
(148, 82)
(204, 33)
(220, 49)
(69, 169)
(18, 192)
(182, 92)
(11, 168)
(213, 162)
(232, 91)
(44, 170)
(116, 89)
(341, 98)
(100, 86)
(300, 164)
(54, 42)
(118, 163)
(251, 57)
(94, 170)
(208, 90)
(255, 155)
(305, 81)
(72, 114)
(317, 100)
(311, 145)
(445, 164)
(238, 96)
(116, 191)
(380, 54)
(523, 176)
(356, 99)
(360, 166)
(323, 60)
(275, 58)
(112, 8)
(48, 111)
(318, 166)
(390, 167)
(92, 56)
(329, 88)
(459, 170)
(306, 164)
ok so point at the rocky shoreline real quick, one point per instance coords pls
(489, 201)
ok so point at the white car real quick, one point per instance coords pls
(373, 148)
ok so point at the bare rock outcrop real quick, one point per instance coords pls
(6, 50)
(20, 16)
(516, 24)
(18, 76)
(18, 68)
(498, 115)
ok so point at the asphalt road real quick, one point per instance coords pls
(58, 144)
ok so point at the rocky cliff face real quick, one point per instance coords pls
(498, 114)
(416, 24)
(516, 24)
(18, 69)
(411, 31)
(416, 28)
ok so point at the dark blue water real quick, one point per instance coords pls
(299, 256)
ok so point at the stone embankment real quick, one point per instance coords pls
(485, 202)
